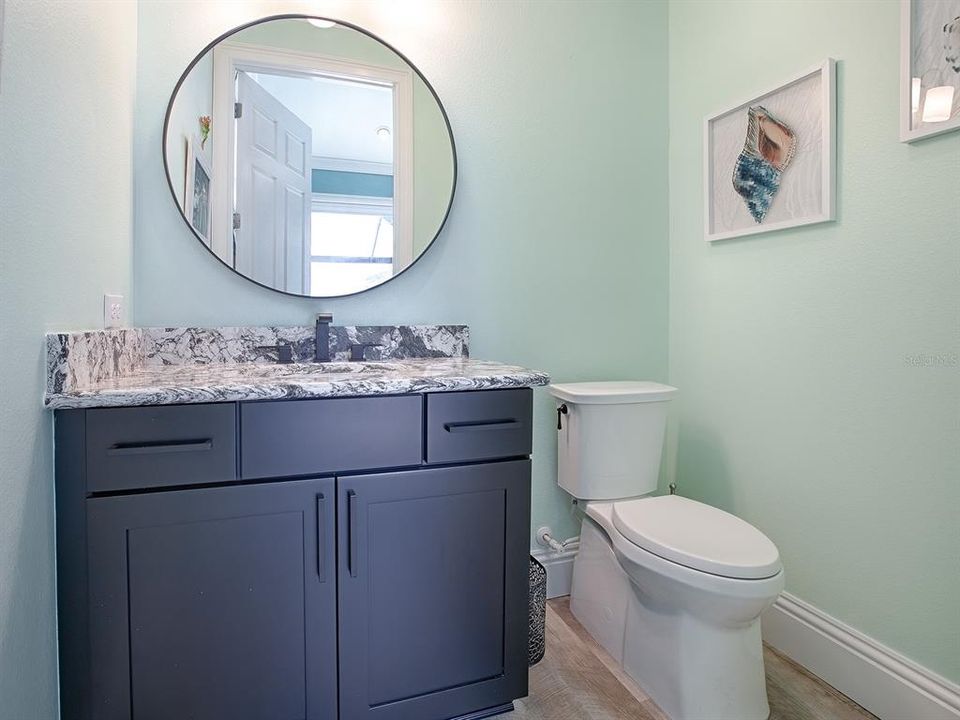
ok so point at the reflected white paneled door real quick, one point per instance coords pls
(273, 190)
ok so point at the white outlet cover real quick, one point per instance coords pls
(113, 310)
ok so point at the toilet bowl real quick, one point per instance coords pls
(672, 588)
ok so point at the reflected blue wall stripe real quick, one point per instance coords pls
(352, 183)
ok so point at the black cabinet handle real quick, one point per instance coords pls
(352, 532)
(321, 533)
(178, 446)
(459, 427)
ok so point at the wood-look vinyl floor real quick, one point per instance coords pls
(578, 680)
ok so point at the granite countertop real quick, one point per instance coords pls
(175, 384)
(166, 366)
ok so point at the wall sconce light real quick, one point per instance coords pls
(938, 104)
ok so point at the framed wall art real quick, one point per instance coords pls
(929, 68)
(769, 162)
(196, 192)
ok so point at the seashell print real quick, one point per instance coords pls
(951, 44)
(767, 151)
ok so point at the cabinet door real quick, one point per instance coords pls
(214, 603)
(433, 591)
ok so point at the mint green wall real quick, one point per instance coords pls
(555, 252)
(801, 406)
(807, 405)
(194, 100)
(66, 133)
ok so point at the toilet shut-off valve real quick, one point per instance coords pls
(545, 538)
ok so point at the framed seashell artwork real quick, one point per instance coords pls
(929, 68)
(769, 162)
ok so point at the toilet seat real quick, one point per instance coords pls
(697, 536)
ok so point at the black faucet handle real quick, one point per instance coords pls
(357, 350)
(321, 334)
(284, 352)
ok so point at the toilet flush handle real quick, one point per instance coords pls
(561, 411)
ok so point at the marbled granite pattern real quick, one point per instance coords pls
(80, 360)
(225, 382)
(177, 346)
(401, 341)
(164, 366)
(84, 358)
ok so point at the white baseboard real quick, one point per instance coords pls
(559, 567)
(887, 684)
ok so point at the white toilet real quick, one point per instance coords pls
(671, 588)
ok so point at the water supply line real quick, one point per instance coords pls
(545, 539)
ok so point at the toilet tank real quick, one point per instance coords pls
(610, 439)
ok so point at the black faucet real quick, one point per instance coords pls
(358, 350)
(322, 337)
(284, 352)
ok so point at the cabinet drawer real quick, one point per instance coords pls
(311, 437)
(143, 447)
(479, 425)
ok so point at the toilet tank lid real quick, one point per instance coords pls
(614, 392)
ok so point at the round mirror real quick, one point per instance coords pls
(309, 156)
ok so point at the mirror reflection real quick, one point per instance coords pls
(309, 156)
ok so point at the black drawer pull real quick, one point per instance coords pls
(176, 446)
(459, 427)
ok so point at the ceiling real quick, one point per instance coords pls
(344, 115)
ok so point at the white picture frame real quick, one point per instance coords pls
(196, 189)
(912, 126)
(808, 100)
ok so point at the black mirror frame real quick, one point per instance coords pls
(301, 16)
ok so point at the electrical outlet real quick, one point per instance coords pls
(112, 311)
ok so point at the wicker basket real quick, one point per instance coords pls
(538, 611)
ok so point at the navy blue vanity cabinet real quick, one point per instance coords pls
(214, 603)
(321, 559)
(145, 447)
(433, 591)
(283, 437)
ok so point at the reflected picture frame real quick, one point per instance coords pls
(908, 46)
(196, 189)
(823, 100)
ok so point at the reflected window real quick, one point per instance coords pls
(351, 243)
